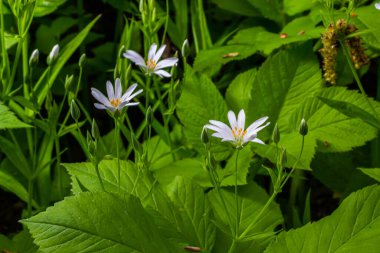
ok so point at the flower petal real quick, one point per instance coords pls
(152, 51)
(159, 53)
(128, 104)
(241, 119)
(377, 6)
(162, 73)
(232, 119)
(258, 141)
(169, 62)
(117, 88)
(135, 57)
(99, 96)
(257, 123)
(128, 92)
(222, 128)
(99, 106)
(256, 130)
(134, 94)
(110, 92)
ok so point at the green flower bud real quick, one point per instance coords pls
(212, 160)
(149, 116)
(95, 130)
(303, 128)
(88, 138)
(276, 134)
(53, 55)
(69, 82)
(283, 158)
(185, 50)
(33, 60)
(74, 110)
(82, 60)
(92, 148)
(204, 135)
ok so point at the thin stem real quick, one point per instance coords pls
(236, 196)
(59, 174)
(233, 246)
(30, 196)
(147, 91)
(96, 164)
(295, 164)
(117, 139)
(357, 79)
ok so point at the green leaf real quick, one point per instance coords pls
(178, 29)
(45, 7)
(227, 175)
(10, 40)
(251, 199)
(200, 102)
(97, 222)
(368, 19)
(335, 131)
(241, 7)
(268, 8)
(352, 111)
(194, 213)
(8, 120)
(355, 223)
(9, 183)
(372, 172)
(238, 93)
(292, 7)
(42, 87)
(15, 156)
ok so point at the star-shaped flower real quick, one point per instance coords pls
(237, 134)
(115, 101)
(153, 63)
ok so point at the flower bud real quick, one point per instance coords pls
(149, 116)
(69, 82)
(303, 128)
(74, 110)
(88, 138)
(95, 130)
(92, 148)
(283, 158)
(82, 60)
(212, 160)
(204, 135)
(33, 60)
(276, 134)
(53, 55)
(185, 50)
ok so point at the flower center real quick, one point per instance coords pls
(115, 102)
(238, 134)
(151, 64)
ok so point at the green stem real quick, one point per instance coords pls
(357, 79)
(236, 196)
(295, 164)
(30, 196)
(59, 174)
(5, 63)
(117, 140)
(96, 164)
(233, 246)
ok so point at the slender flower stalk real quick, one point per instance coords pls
(152, 65)
(236, 133)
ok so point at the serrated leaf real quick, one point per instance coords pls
(368, 18)
(194, 213)
(200, 102)
(8, 120)
(335, 131)
(97, 222)
(372, 172)
(251, 199)
(354, 225)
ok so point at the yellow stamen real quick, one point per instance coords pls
(115, 102)
(151, 64)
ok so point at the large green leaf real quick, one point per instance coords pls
(200, 102)
(45, 7)
(268, 8)
(251, 200)
(42, 87)
(97, 222)
(241, 7)
(292, 7)
(335, 131)
(8, 120)
(368, 18)
(353, 227)
(194, 213)
(372, 172)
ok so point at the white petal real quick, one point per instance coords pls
(134, 94)
(169, 62)
(256, 130)
(152, 51)
(159, 53)
(100, 106)
(222, 136)
(128, 104)
(110, 92)
(241, 119)
(258, 141)
(162, 73)
(117, 88)
(248, 138)
(257, 123)
(232, 119)
(128, 92)
(377, 6)
(99, 96)
(223, 128)
(135, 57)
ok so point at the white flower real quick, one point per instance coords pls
(115, 101)
(377, 6)
(53, 54)
(152, 64)
(237, 133)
